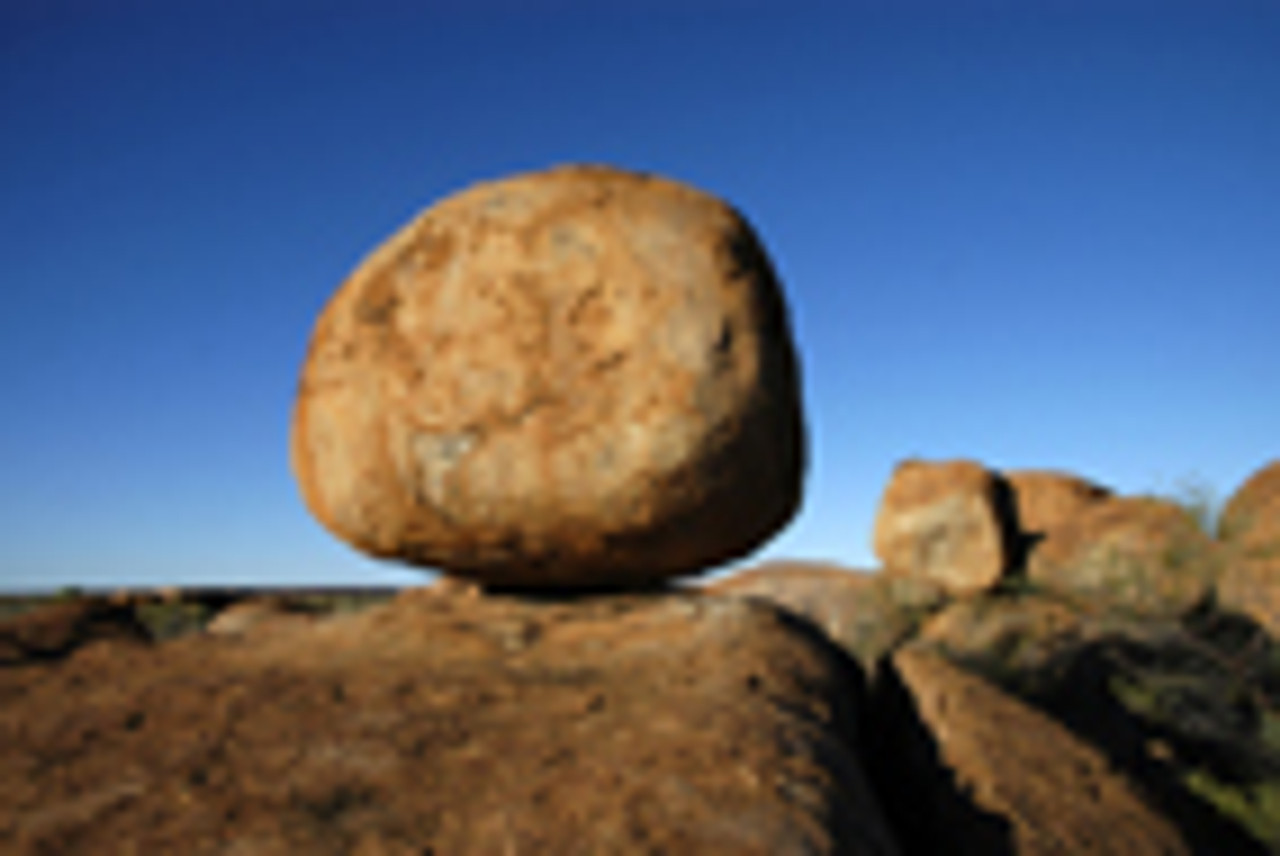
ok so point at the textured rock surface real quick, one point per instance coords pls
(945, 521)
(444, 723)
(582, 377)
(1249, 529)
(1007, 779)
(1046, 500)
(866, 613)
(1004, 634)
(1251, 517)
(1142, 554)
(57, 630)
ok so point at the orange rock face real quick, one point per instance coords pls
(866, 613)
(447, 724)
(1250, 531)
(1251, 518)
(582, 377)
(942, 520)
(1046, 500)
(1142, 554)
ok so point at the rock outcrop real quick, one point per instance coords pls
(1146, 554)
(992, 776)
(944, 521)
(1250, 531)
(580, 378)
(865, 613)
(60, 629)
(453, 725)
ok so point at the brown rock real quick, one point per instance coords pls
(1251, 587)
(576, 378)
(256, 615)
(1004, 634)
(1249, 530)
(989, 775)
(55, 631)
(1250, 521)
(944, 521)
(447, 724)
(1046, 500)
(1141, 554)
(865, 613)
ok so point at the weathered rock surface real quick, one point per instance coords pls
(57, 630)
(1007, 634)
(944, 521)
(1249, 529)
(576, 378)
(1046, 500)
(866, 613)
(447, 724)
(1251, 517)
(1142, 554)
(992, 776)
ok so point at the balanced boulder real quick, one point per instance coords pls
(577, 378)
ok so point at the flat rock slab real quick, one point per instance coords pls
(1010, 780)
(446, 723)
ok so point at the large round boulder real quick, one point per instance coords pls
(582, 377)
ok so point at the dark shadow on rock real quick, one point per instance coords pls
(56, 631)
(1082, 696)
(925, 806)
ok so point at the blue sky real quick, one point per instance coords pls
(1036, 234)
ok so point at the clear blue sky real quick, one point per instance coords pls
(1044, 238)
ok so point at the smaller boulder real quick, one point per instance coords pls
(1140, 554)
(1046, 500)
(256, 615)
(1250, 521)
(944, 521)
(1249, 531)
(1251, 587)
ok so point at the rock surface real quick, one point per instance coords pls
(1251, 517)
(58, 630)
(1046, 500)
(944, 521)
(443, 723)
(1008, 780)
(1004, 634)
(1250, 531)
(1143, 554)
(577, 378)
(866, 613)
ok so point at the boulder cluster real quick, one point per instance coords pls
(564, 390)
(1055, 668)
